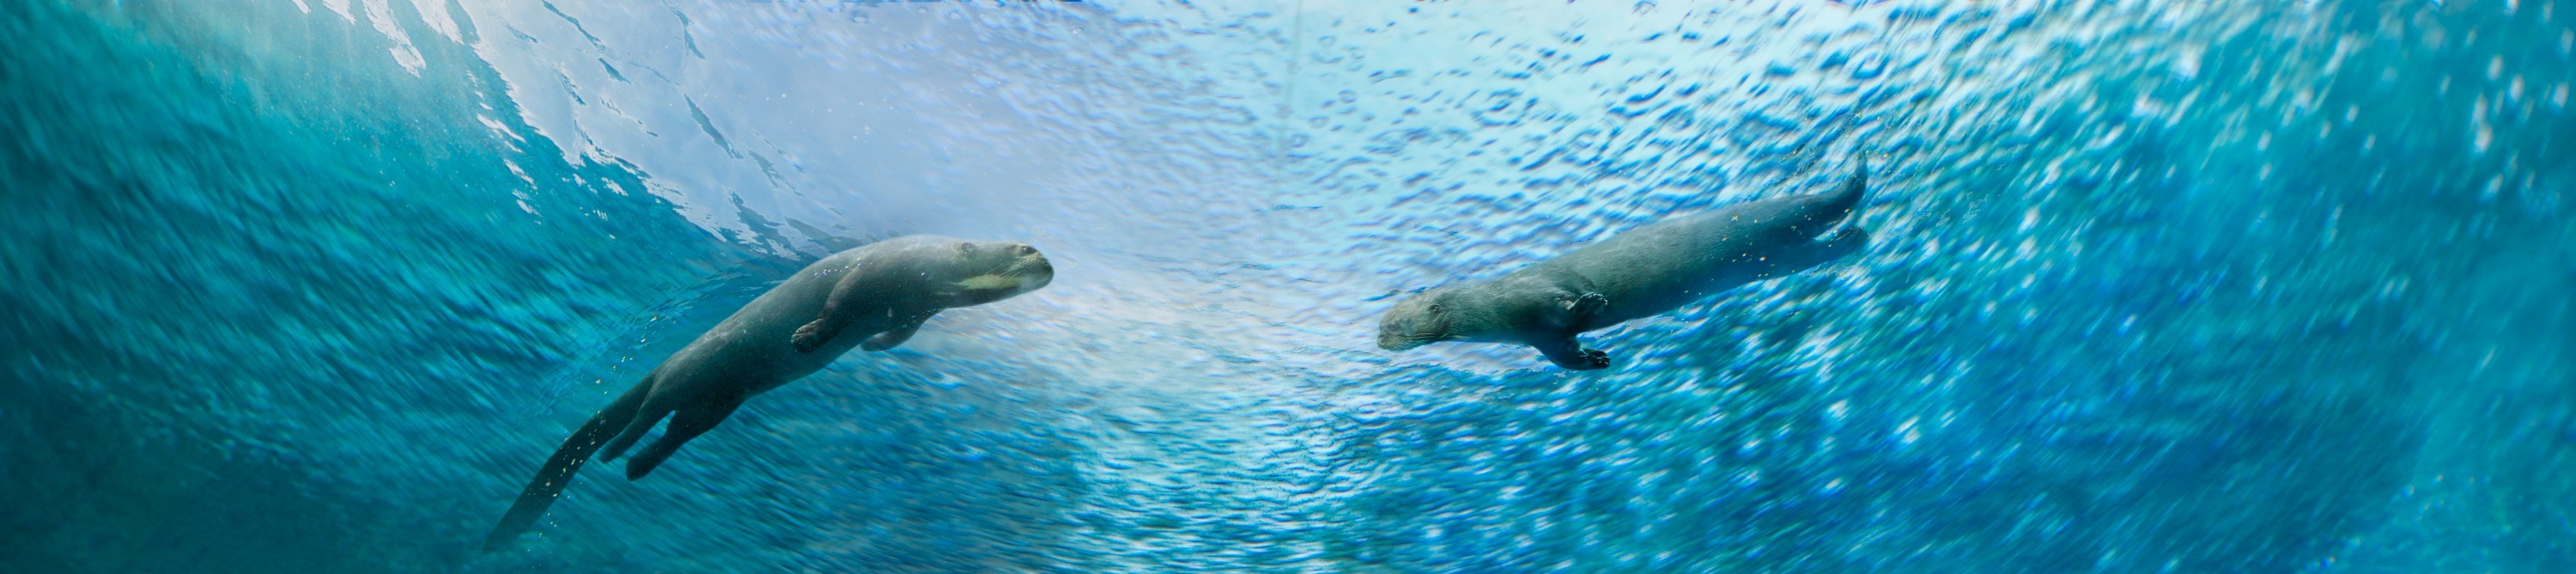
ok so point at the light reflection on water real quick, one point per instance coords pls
(2153, 287)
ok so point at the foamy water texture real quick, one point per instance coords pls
(315, 285)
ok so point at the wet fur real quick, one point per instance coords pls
(1642, 272)
(872, 297)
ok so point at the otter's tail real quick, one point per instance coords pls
(1847, 196)
(1808, 216)
(568, 458)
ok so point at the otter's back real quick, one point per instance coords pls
(1667, 264)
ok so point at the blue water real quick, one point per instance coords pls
(315, 285)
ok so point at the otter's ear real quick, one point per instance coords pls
(965, 248)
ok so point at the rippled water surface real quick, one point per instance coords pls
(315, 285)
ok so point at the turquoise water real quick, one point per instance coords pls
(315, 285)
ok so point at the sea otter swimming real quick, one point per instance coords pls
(872, 297)
(1644, 271)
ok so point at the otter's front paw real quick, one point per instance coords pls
(809, 337)
(1586, 360)
(1589, 304)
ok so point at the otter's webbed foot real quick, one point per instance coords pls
(1847, 240)
(1590, 360)
(1573, 357)
(1840, 244)
(810, 337)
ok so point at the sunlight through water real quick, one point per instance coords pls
(315, 285)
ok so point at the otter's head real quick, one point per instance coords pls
(989, 271)
(1418, 320)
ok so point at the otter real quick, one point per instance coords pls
(872, 297)
(1643, 272)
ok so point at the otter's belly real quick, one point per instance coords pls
(754, 347)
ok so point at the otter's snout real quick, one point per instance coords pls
(1008, 269)
(1039, 272)
(1412, 323)
(1390, 337)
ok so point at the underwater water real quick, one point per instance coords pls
(2262, 286)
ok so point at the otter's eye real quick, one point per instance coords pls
(1435, 307)
(966, 248)
(1023, 250)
